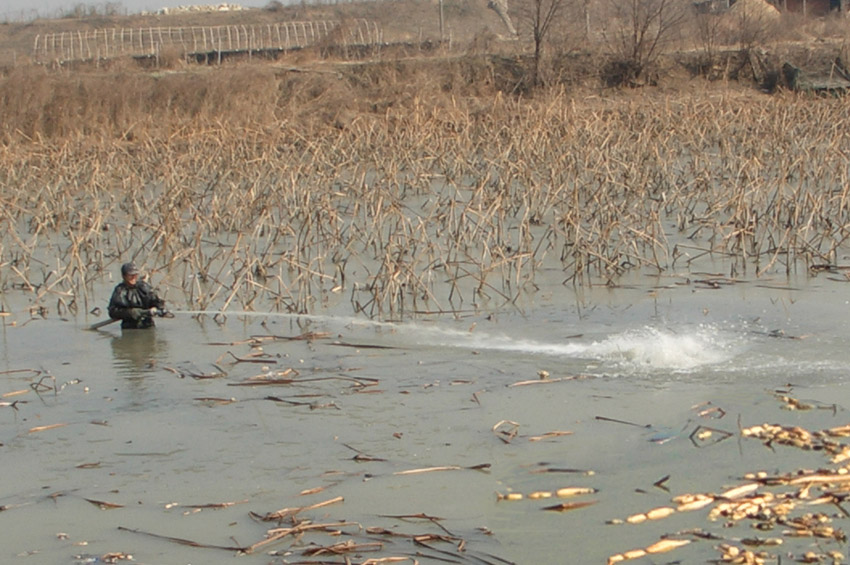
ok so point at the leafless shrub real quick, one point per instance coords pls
(638, 32)
(538, 19)
(709, 26)
(170, 57)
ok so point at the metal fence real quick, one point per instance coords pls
(194, 41)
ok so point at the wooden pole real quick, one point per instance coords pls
(441, 23)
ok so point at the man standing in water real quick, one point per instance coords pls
(134, 302)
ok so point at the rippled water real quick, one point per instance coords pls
(156, 425)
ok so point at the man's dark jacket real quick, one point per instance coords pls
(132, 304)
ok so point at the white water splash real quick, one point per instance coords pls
(645, 348)
(664, 349)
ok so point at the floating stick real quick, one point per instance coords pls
(479, 467)
(103, 505)
(183, 541)
(45, 428)
(567, 506)
(616, 421)
(290, 512)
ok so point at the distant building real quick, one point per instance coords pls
(807, 7)
(812, 7)
(200, 8)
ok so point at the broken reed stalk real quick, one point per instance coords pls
(278, 534)
(428, 205)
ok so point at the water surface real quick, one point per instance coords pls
(155, 424)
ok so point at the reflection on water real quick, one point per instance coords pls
(135, 352)
(136, 358)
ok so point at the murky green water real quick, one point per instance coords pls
(156, 425)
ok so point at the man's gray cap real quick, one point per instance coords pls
(129, 269)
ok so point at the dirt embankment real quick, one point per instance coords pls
(474, 61)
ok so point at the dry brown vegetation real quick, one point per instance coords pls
(401, 185)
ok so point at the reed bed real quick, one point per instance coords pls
(291, 198)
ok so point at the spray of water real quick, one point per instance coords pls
(665, 349)
(646, 348)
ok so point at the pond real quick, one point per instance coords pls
(278, 438)
(562, 330)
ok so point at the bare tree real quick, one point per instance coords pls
(540, 16)
(639, 31)
(709, 27)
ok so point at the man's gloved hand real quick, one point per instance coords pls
(137, 314)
